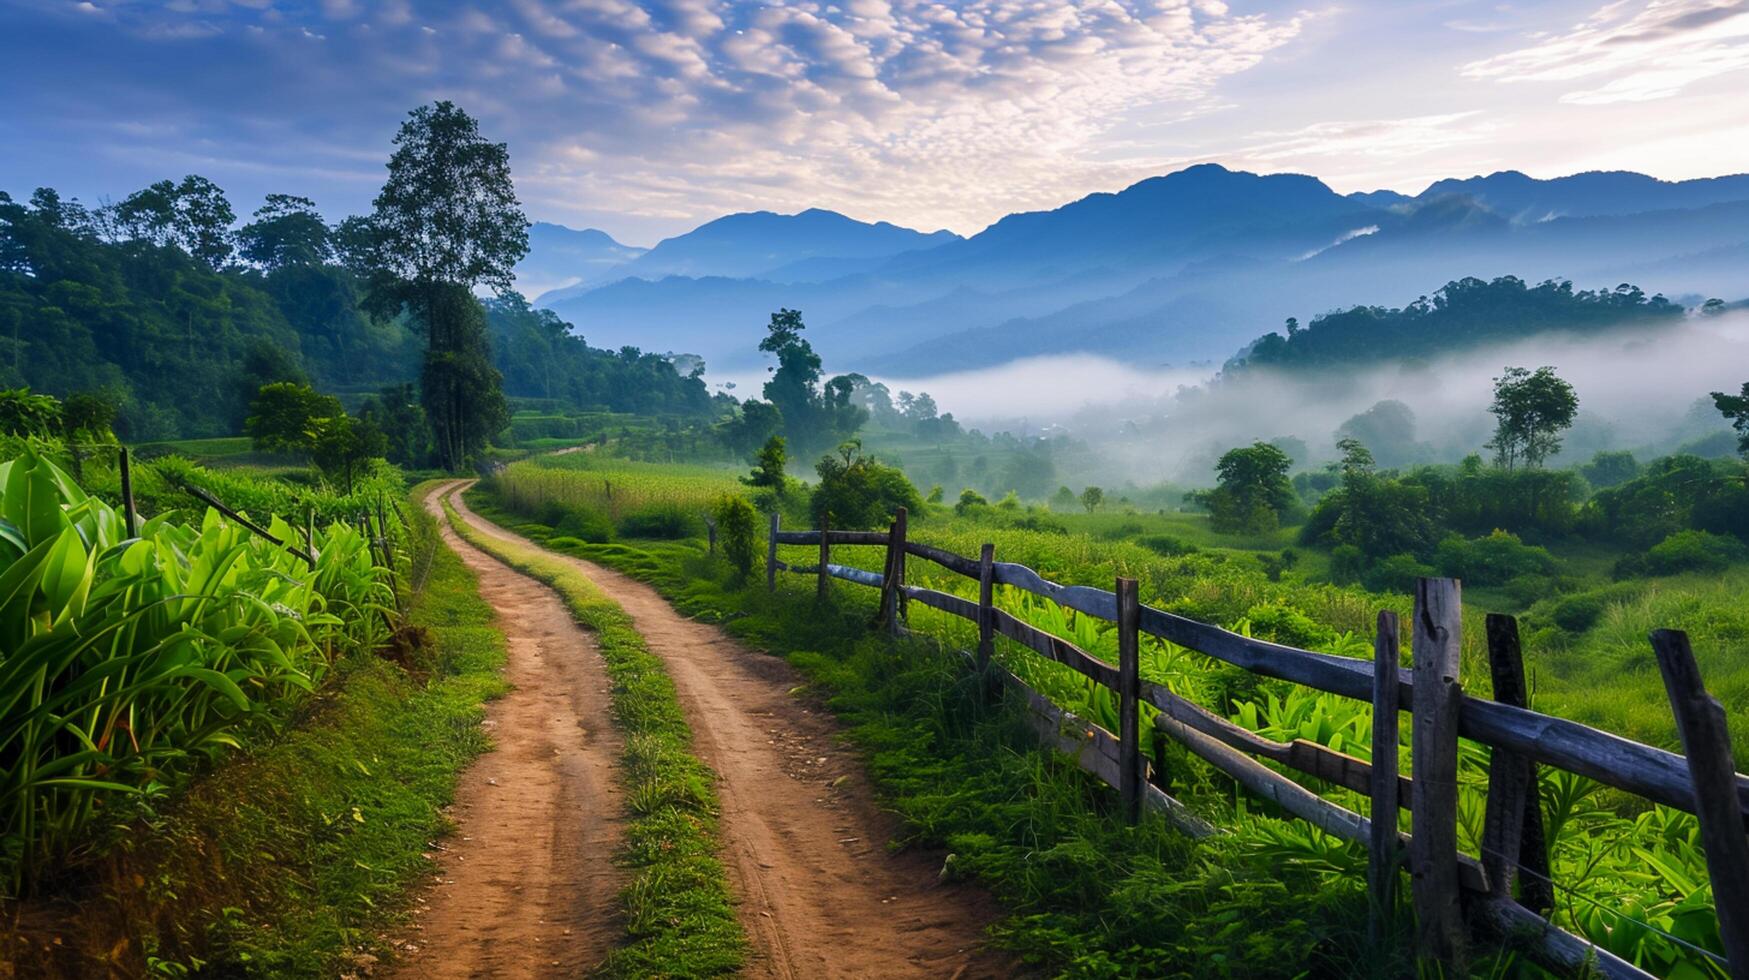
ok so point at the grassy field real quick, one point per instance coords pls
(1600, 672)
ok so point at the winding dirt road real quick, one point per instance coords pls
(805, 843)
(526, 886)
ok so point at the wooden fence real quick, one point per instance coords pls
(1451, 892)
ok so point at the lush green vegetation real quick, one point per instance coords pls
(1102, 903)
(680, 921)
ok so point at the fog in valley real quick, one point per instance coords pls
(1641, 389)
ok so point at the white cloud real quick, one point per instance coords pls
(1628, 52)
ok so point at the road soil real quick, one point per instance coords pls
(526, 886)
(804, 841)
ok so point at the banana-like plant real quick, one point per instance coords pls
(128, 662)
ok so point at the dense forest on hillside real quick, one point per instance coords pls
(1465, 313)
(116, 301)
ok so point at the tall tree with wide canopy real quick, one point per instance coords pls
(446, 222)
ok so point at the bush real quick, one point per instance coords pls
(1396, 574)
(970, 501)
(1167, 545)
(584, 525)
(736, 524)
(669, 521)
(1684, 551)
(858, 492)
(1495, 559)
(1347, 563)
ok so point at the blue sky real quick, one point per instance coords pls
(646, 117)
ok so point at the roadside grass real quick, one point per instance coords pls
(680, 917)
(294, 860)
(1088, 896)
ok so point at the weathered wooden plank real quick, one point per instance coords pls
(1056, 648)
(944, 558)
(944, 601)
(1438, 630)
(894, 609)
(860, 576)
(835, 537)
(986, 603)
(1555, 948)
(1512, 833)
(1294, 798)
(771, 554)
(1129, 691)
(1310, 758)
(1653, 773)
(1383, 787)
(1701, 721)
(1095, 750)
(254, 528)
(1081, 598)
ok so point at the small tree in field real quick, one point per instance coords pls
(283, 417)
(1531, 409)
(1092, 498)
(736, 524)
(768, 466)
(1253, 492)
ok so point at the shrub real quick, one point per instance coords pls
(1396, 574)
(859, 492)
(1684, 551)
(970, 501)
(1167, 545)
(584, 525)
(670, 521)
(736, 523)
(1495, 559)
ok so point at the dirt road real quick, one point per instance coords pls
(820, 896)
(527, 885)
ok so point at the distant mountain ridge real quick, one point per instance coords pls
(1184, 266)
(559, 256)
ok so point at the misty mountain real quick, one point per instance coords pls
(780, 247)
(1188, 266)
(1521, 198)
(559, 256)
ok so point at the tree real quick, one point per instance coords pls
(194, 216)
(1063, 499)
(1252, 492)
(447, 220)
(1356, 458)
(752, 428)
(1532, 409)
(855, 491)
(811, 417)
(1736, 409)
(1092, 498)
(768, 467)
(397, 414)
(1388, 428)
(286, 231)
(338, 443)
(283, 417)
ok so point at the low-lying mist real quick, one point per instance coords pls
(1639, 389)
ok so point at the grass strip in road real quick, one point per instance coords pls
(680, 919)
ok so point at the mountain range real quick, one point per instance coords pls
(1183, 267)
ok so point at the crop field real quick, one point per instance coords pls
(663, 498)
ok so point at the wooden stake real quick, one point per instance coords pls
(771, 555)
(1129, 692)
(1512, 834)
(823, 588)
(1383, 855)
(1433, 818)
(129, 515)
(896, 574)
(986, 613)
(1701, 720)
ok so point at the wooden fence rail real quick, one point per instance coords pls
(1452, 892)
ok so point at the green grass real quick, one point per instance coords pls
(680, 919)
(293, 860)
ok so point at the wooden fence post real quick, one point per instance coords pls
(1129, 692)
(1383, 858)
(1706, 741)
(771, 554)
(1512, 834)
(986, 613)
(896, 574)
(129, 515)
(710, 530)
(1433, 814)
(825, 581)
